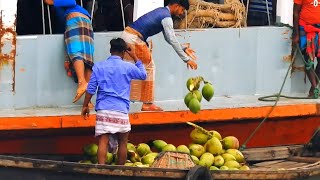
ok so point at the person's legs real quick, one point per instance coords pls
(147, 89)
(318, 70)
(122, 151)
(82, 83)
(79, 47)
(142, 90)
(310, 74)
(87, 75)
(102, 148)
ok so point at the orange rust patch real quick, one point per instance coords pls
(8, 58)
(287, 58)
(286, 32)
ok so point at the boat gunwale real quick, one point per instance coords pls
(113, 170)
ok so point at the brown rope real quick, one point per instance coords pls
(208, 15)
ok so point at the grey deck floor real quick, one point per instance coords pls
(174, 105)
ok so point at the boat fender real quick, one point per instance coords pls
(199, 173)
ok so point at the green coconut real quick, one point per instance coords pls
(207, 91)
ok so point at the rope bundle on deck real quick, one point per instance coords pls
(203, 14)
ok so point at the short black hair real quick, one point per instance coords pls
(183, 3)
(118, 45)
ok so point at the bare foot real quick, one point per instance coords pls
(80, 91)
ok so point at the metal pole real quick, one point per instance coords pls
(49, 17)
(122, 11)
(43, 20)
(267, 5)
(92, 10)
(81, 3)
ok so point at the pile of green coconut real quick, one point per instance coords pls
(194, 97)
(207, 149)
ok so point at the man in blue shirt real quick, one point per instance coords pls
(112, 78)
(137, 33)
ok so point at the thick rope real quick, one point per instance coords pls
(277, 96)
(215, 15)
(273, 107)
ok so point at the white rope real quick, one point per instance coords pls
(43, 20)
(267, 5)
(247, 10)
(92, 10)
(49, 17)
(122, 12)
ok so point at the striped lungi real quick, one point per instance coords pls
(79, 41)
(111, 122)
(140, 90)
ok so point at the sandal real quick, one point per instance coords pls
(150, 107)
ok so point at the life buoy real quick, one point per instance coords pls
(199, 173)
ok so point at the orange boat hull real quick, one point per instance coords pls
(68, 134)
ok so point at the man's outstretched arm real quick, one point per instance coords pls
(171, 38)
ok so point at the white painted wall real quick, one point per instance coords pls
(285, 11)
(9, 9)
(142, 7)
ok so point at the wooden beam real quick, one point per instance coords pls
(304, 159)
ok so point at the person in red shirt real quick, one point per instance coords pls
(306, 29)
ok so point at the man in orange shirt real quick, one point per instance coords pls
(306, 29)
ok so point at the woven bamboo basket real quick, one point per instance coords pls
(173, 160)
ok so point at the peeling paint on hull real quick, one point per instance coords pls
(8, 42)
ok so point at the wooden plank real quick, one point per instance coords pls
(294, 165)
(308, 166)
(270, 153)
(267, 163)
(136, 173)
(304, 159)
(60, 166)
(260, 168)
(285, 165)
